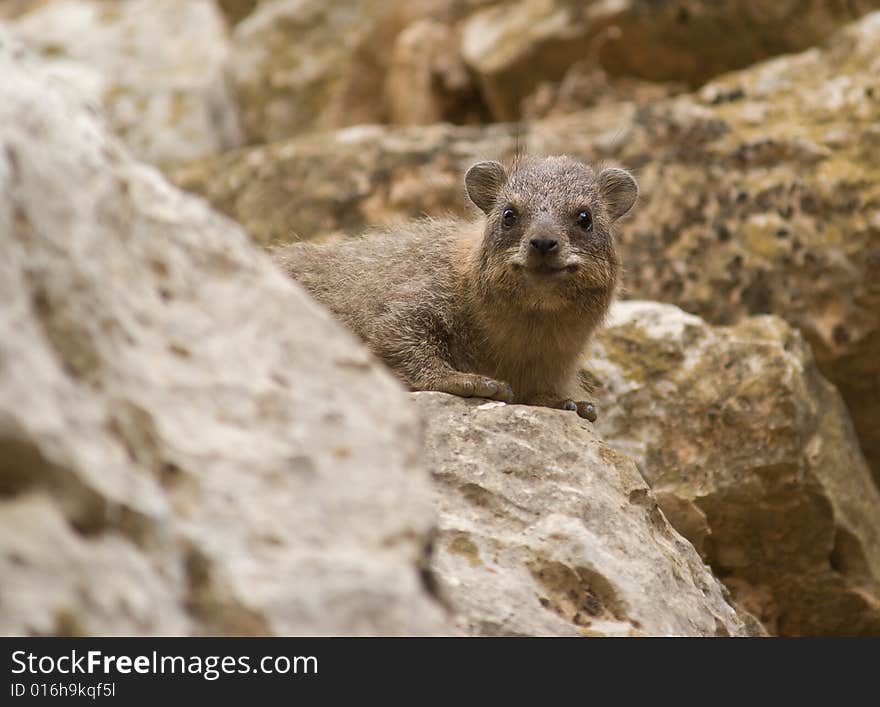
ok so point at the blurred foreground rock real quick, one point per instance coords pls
(158, 67)
(544, 530)
(752, 457)
(188, 444)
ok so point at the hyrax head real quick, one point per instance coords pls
(548, 228)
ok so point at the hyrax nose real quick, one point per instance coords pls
(544, 245)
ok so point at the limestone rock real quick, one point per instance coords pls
(188, 444)
(515, 46)
(158, 67)
(762, 195)
(692, 40)
(512, 47)
(545, 530)
(339, 182)
(752, 457)
(428, 81)
(302, 64)
(586, 85)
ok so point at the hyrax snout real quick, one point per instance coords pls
(502, 306)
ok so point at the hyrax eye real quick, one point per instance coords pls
(585, 220)
(508, 217)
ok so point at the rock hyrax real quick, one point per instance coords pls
(499, 307)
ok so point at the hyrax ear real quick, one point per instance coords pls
(618, 190)
(483, 181)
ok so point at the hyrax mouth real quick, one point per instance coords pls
(549, 269)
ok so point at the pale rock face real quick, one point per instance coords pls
(158, 67)
(752, 457)
(189, 444)
(545, 530)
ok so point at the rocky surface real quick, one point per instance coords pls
(306, 64)
(301, 64)
(428, 80)
(545, 530)
(515, 47)
(182, 431)
(337, 183)
(752, 457)
(759, 194)
(764, 197)
(158, 67)
(191, 446)
(188, 445)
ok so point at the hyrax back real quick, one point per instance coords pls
(501, 307)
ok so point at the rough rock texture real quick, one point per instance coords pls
(752, 457)
(428, 81)
(759, 194)
(187, 443)
(514, 46)
(764, 197)
(299, 64)
(339, 182)
(584, 85)
(158, 67)
(307, 64)
(544, 530)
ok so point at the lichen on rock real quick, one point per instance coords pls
(752, 457)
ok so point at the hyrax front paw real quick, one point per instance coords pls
(582, 408)
(469, 385)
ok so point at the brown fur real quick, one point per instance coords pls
(474, 307)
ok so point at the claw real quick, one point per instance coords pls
(587, 411)
(472, 386)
